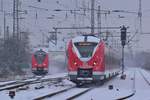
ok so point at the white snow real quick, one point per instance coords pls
(120, 89)
(141, 86)
(67, 94)
(58, 75)
(31, 93)
(7, 82)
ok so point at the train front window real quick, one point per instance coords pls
(40, 56)
(85, 48)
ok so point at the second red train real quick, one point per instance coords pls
(40, 62)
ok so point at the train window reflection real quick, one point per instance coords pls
(85, 48)
(40, 56)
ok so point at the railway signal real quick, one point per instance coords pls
(123, 35)
(123, 43)
(39, 0)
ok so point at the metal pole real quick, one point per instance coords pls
(7, 31)
(140, 15)
(99, 21)
(92, 16)
(122, 60)
(4, 25)
(15, 19)
(14, 4)
(55, 36)
(2, 8)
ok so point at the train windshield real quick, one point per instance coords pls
(40, 56)
(85, 48)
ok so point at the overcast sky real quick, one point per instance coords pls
(36, 20)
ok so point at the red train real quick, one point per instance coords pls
(40, 62)
(91, 60)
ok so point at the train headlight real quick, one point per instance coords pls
(75, 63)
(44, 64)
(94, 63)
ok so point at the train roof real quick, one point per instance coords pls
(39, 48)
(40, 52)
(86, 38)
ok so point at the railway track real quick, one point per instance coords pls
(134, 91)
(147, 81)
(53, 94)
(15, 85)
(7, 83)
(131, 94)
(29, 82)
(65, 90)
(72, 92)
(76, 92)
(79, 94)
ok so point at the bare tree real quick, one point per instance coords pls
(14, 55)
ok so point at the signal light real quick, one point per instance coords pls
(39, 0)
(123, 35)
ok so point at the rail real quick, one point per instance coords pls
(79, 94)
(53, 94)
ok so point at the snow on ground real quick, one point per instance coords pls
(58, 75)
(7, 82)
(146, 74)
(32, 93)
(67, 94)
(122, 88)
(142, 88)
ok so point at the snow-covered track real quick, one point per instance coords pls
(53, 94)
(16, 85)
(31, 81)
(79, 94)
(144, 77)
(131, 94)
(126, 97)
(7, 83)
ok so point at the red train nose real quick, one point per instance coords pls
(86, 66)
(40, 65)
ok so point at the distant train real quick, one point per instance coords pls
(40, 62)
(91, 60)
